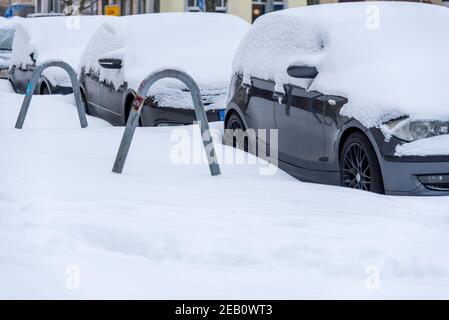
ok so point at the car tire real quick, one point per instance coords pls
(359, 167)
(45, 90)
(233, 123)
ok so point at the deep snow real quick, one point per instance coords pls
(166, 231)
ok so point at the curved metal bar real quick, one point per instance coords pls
(136, 110)
(32, 87)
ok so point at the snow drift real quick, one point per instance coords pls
(170, 231)
(388, 59)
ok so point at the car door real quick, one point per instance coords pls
(333, 129)
(299, 119)
(260, 110)
(91, 89)
(111, 101)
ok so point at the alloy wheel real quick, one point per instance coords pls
(356, 168)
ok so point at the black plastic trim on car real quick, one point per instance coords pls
(417, 159)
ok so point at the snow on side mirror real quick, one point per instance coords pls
(110, 63)
(302, 72)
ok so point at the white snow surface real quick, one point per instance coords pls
(161, 230)
(53, 38)
(387, 58)
(202, 44)
(53, 111)
(434, 146)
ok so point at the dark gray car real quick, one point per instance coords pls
(317, 144)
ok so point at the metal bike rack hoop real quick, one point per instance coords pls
(137, 109)
(33, 83)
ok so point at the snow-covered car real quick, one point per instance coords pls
(357, 92)
(49, 38)
(6, 38)
(124, 51)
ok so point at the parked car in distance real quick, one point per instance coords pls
(6, 39)
(49, 38)
(357, 104)
(124, 51)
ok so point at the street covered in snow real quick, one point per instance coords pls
(69, 228)
(352, 96)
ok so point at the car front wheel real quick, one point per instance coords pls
(359, 168)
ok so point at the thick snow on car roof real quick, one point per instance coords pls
(388, 59)
(203, 44)
(50, 38)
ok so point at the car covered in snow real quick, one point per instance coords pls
(6, 39)
(124, 51)
(49, 38)
(357, 93)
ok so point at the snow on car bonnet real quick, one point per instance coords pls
(388, 59)
(50, 38)
(202, 44)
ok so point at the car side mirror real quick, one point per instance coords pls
(302, 72)
(111, 63)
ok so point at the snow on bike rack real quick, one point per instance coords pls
(33, 83)
(136, 111)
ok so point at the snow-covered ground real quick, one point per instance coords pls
(69, 228)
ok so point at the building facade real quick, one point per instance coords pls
(246, 9)
(5, 3)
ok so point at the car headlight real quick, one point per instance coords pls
(409, 130)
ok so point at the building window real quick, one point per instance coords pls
(260, 7)
(126, 7)
(220, 5)
(142, 6)
(192, 6)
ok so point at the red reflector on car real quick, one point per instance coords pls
(137, 103)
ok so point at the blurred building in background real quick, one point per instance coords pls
(247, 9)
(11, 8)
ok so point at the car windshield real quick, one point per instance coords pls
(6, 38)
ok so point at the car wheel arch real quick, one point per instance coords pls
(84, 97)
(231, 111)
(366, 132)
(128, 98)
(44, 83)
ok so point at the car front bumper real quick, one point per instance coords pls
(401, 175)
